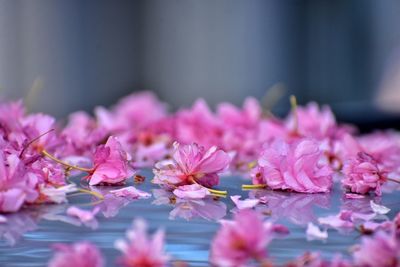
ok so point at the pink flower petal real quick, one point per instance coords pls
(193, 191)
(83, 215)
(313, 232)
(3, 219)
(353, 196)
(130, 192)
(379, 209)
(246, 203)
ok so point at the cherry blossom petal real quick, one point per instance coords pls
(246, 203)
(193, 191)
(379, 209)
(130, 192)
(313, 232)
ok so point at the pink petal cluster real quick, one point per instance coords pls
(241, 242)
(314, 259)
(198, 124)
(136, 110)
(383, 249)
(81, 254)
(384, 147)
(191, 164)
(141, 250)
(312, 122)
(363, 175)
(82, 134)
(296, 166)
(16, 185)
(110, 164)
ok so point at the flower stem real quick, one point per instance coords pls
(212, 191)
(293, 103)
(98, 195)
(50, 156)
(33, 141)
(253, 186)
(393, 180)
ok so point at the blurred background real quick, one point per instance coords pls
(76, 54)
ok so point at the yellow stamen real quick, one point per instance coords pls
(50, 156)
(253, 186)
(252, 164)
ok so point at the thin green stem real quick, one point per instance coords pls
(50, 156)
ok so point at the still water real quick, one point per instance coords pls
(26, 239)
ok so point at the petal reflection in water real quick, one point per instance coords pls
(295, 207)
(207, 208)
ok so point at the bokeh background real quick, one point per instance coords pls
(76, 54)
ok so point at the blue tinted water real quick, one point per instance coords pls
(26, 238)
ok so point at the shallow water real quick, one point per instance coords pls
(27, 237)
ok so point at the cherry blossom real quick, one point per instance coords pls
(17, 186)
(140, 249)
(78, 254)
(383, 249)
(362, 174)
(242, 241)
(110, 164)
(191, 164)
(294, 166)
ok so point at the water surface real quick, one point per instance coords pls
(26, 239)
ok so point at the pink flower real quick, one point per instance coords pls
(81, 254)
(17, 186)
(239, 242)
(193, 191)
(11, 114)
(191, 164)
(37, 124)
(311, 121)
(241, 130)
(82, 133)
(110, 164)
(314, 259)
(294, 166)
(384, 147)
(142, 250)
(136, 110)
(362, 174)
(198, 124)
(247, 117)
(382, 250)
